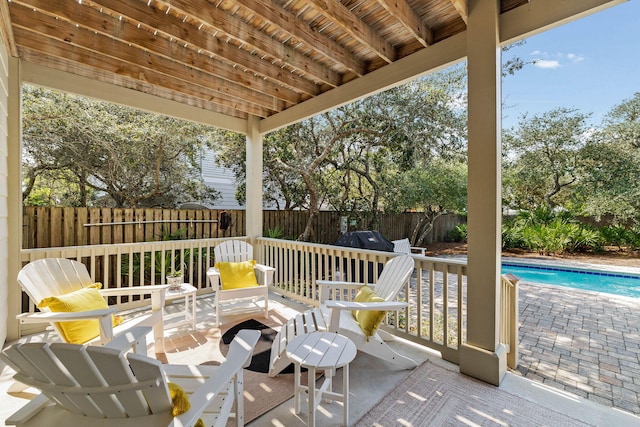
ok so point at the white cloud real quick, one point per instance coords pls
(546, 63)
(575, 58)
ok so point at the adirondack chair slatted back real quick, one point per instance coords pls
(395, 273)
(233, 251)
(53, 276)
(93, 381)
(402, 246)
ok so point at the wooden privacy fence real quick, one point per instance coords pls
(45, 227)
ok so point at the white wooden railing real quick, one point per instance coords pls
(509, 317)
(436, 294)
(132, 264)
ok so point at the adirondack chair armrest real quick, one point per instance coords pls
(239, 357)
(68, 316)
(28, 411)
(348, 305)
(336, 307)
(418, 249)
(214, 278)
(130, 339)
(264, 274)
(327, 285)
(157, 293)
(340, 284)
(135, 290)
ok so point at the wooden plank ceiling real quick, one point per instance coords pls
(237, 58)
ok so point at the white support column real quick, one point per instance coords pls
(14, 195)
(254, 178)
(482, 356)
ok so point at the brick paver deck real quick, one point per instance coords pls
(586, 343)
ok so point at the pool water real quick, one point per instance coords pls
(599, 281)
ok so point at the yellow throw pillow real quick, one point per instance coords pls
(180, 402)
(236, 275)
(369, 320)
(85, 299)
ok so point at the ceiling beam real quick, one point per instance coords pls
(216, 19)
(5, 29)
(130, 59)
(461, 7)
(429, 59)
(289, 24)
(401, 10)
(515, 25)
(38, 50)
(339, 15)
(178, 43)
(72, 83)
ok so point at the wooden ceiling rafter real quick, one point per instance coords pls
(461, 7)
(276, 60)
(288, 23)
(147, 63)
(355, 27)
(216, 19)
(98, 65)
(121, 80)
(401, 10)
(169, 26)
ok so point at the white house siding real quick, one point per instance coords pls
(4, 212)
(222, 180)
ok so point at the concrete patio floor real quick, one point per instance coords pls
(371, 379)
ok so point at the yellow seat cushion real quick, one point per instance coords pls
(235, 275)
(85, 299)
(369, 320)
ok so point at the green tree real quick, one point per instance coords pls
(611, 166)
(542, 158)
(345, 158)
(109, 155)
(622, 123)
(434, 190)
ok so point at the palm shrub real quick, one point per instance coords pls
(547, 233)
(458, 233)
(275, 233)
(634, 238)
(583, 238)
(512, 236)
(541, 215)
(614, 235)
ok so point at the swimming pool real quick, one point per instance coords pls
(591, 280)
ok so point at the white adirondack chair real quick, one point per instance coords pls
(238, 251)
(336, 315)
(403, 246)
(100, 387)
(58, 276)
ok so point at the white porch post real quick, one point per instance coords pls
(482, 356)
(14, 197)
(254, 178)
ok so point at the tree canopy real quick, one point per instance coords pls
(82, 152)
(400, 150)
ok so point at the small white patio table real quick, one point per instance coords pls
(326, 351)
(188, 292)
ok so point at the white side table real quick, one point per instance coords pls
(326, 351)
(187, 292)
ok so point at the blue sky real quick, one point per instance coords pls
(591, 64)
